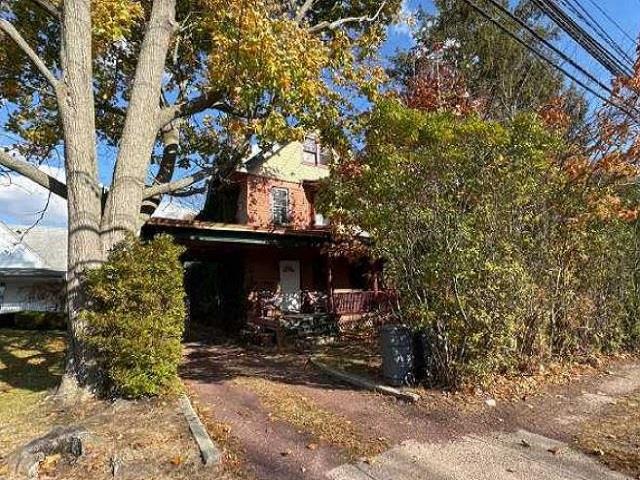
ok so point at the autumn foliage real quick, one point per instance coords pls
(437, 85)
(508, 248)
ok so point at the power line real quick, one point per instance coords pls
(583, 38)
(549, 45)
(608, 17)
(591, 22)
(569, 75)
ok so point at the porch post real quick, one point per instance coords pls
(376, 273)
(330, 282)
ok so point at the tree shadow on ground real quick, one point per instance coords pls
(226, 358)
(30, 360)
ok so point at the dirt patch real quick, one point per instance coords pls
(234, 462)
(615, 437)
(141, 439)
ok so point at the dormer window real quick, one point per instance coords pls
(313, 153)
(280, 206)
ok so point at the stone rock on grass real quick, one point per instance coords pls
(65, 441)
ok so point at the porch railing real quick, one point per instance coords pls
(352, 302)
(359, 302)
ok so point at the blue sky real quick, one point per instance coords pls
(626, 13)
(22, 203)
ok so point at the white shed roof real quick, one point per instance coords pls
(36, 248)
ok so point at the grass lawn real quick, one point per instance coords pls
(148, 438)
(31, 363)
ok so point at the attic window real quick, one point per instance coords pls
(313, 153)
(280, 206)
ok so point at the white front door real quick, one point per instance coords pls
(290, 285)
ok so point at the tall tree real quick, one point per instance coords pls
(176, 93)
(498, 71)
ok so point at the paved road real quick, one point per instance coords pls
(437, 438)
(519, 455)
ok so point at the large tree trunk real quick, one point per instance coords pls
(122, 210)
(171, 142)
(84, 193)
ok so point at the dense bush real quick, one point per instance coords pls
(135, 319)
(500, 251)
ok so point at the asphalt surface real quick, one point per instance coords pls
(518, 455)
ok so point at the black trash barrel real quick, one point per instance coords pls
(423, 359)
(396, 343)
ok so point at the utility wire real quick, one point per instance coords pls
(549, 45)
(543, 57)
(608, 17)
(583, 38)
(594, 25)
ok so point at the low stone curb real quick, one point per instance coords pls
(211, 454)
(364, 383)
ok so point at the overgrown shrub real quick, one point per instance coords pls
(499, 250)
(135, 319)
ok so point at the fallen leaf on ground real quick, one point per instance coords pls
(48, 465)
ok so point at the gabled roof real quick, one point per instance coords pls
(48, 242)
(38, 250)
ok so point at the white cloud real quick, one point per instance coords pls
(22, 201)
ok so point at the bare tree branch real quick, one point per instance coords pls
(343, 21)
(304, 9)
(34, 174)
(171, 140)
(180, 184)
(189, 192)
(19, 40)
(209, 99)
(49, 7)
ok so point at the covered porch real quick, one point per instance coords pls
(272, 279)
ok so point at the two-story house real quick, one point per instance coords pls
(264, 241)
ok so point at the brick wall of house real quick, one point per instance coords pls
(263, 269)
(257, 203)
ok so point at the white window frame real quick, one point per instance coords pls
(287, 218)
(317, 152)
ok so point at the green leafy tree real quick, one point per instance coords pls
(498, 71)
(503, 246)
(173, 94)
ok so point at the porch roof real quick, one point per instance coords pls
(199, 231)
